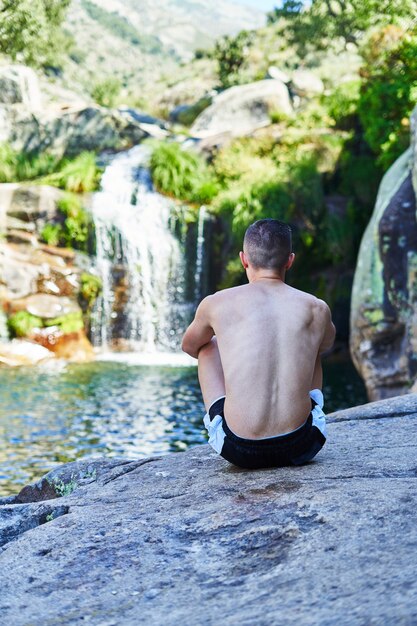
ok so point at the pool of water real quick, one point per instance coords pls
(53, 416)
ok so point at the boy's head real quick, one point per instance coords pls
(268, 245)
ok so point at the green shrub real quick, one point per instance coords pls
(231, 54)
(90, 288)
(78, 175)
(70, 323)
(181, 173)
(52, 234)
(19, 166)
(22, 323)
(77, 222)
(342, 104)
(74, 228)
(389, 92)
(106, 91)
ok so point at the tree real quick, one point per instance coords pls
(389, 91)
(325, 20)
(230, 54)
(30, 30)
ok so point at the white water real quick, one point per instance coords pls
(138, 258)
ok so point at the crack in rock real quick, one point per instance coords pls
(18, 519)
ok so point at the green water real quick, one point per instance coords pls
(48, 417)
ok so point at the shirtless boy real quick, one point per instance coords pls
(258, 348)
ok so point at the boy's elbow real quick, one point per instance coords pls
(187, 348)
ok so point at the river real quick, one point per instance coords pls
(56, 415)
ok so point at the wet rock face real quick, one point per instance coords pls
(384, 300)
(188, 539)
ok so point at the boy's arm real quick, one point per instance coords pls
(199, 331)
(329, 330)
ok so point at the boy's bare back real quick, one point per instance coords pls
(269, 336)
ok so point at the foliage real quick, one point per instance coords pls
(105, 92)
(30, 30)
(323, 21)
(51, 234)
(342, 104)
(77, 175)
(77, 222)
(22, 323)
(18, 166)
(74, 227)
(389, 92)
(230, 54)
(90, 289)
(69, 323)
(181, 173)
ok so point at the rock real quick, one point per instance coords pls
(243, 108)
(305, 83)
(277, 74)
(72, 346)
(186, 538)
(384, 297)
(69, 131)
(22, 352)
(46, 306)
(19, 85)
(31, 204)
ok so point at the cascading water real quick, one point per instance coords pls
(140, 260)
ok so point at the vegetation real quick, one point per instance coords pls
(90, 288)
(389, 91)
(120, 27)
(69, 323)
(105, 92)
(74, 226)
(321, 22)
(22, 323)
(77, 175)
(31, 31)
(181, 173)
(19, 166)
(231, 54)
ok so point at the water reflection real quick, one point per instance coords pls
(49, 417)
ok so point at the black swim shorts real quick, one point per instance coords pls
(294, 448)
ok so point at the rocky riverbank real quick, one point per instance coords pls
(188, 539)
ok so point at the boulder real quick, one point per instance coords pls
(34, 205)
(277, 74)
(305, 83)
(19, 85)
(46, 306)
(242, 109)
(70, 130)
(23, 352)
(384, 298)
(69, 346)
(188, 539)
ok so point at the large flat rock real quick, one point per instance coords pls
(188, 539)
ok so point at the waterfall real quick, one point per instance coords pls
(199, 254)
(140, 261)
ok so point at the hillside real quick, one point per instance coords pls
(144, 46)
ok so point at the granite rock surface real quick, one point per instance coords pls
(188, 539)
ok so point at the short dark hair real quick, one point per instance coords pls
(268, 244)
